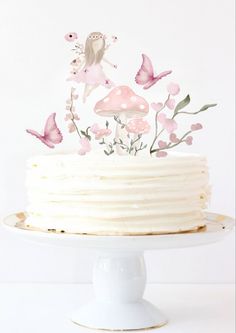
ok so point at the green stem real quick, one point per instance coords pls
(174, 145)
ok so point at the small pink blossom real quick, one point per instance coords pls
(173, 138)
(100, 132)
(114, 39)
(71, 36)
(161, 153)
(85, 146)
(76, 62)
(138, 126)
(173, 88)
(162, 144)
(157, 106)
(71, 128)
(70, 107)
(70, 117)
(168, 124)
(170, 103)
(189, 140)
(196, 127)
(75, 96)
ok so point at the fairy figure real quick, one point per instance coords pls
(92, 74)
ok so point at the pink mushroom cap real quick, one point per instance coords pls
(122, 99)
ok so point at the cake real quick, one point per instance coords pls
(117, 195)
(119, 180)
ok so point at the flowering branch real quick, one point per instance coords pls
(170, 146)
(169, 124)
(141, 147)
(158, 108)
(71, 108)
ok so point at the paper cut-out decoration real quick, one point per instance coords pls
(52, 135)
(145, 75)
(87, 67)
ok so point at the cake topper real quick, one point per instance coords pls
(145, 75)
(87, 66)
(51, 135)
(125, 131)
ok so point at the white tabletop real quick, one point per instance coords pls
(27, 308)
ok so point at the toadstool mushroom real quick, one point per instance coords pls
(124, 103)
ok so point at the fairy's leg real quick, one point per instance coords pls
(86, 92)
(88, 88)
(92, 88)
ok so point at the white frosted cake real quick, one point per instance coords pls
(122, 177)
(117, 195)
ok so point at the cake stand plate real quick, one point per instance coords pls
(119, 274)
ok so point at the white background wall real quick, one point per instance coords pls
(194, 38)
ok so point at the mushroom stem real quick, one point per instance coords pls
(121, 133)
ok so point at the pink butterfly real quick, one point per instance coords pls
(145, 75)
(52, 134)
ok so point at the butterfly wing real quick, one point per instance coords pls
(51, 131)
(40, 137)
(145, 74)
(163, 74)
(157, 78)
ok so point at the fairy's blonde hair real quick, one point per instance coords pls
(90, 56)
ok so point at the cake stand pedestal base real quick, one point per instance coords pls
(119, 279)
(119, 274)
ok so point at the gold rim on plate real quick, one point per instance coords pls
(21, 218)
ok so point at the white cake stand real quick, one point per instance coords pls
(119, 275)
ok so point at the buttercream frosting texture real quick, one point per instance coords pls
(114, 195)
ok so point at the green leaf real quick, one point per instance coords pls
(106, 152)
(182, 104)
(207, 106)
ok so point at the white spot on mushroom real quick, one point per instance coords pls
(118, 92)
(106, 99)
(141, 106)
(124, 106)
(133, 98)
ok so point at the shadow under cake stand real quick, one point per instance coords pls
(119, 274)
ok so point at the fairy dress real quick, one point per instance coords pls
(93, 75)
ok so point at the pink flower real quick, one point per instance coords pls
(157, 106)
(161, 153)
(71, 36)
(196, 127)
(100, 132)
(85, 146)
(71, 128)
(173, 138)
(173, 88)
(138, 126)
(70, 117)
(76, 62)
(170, 103)
(162, 144)
(189, 140)
(114, 39)
(168, 124)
